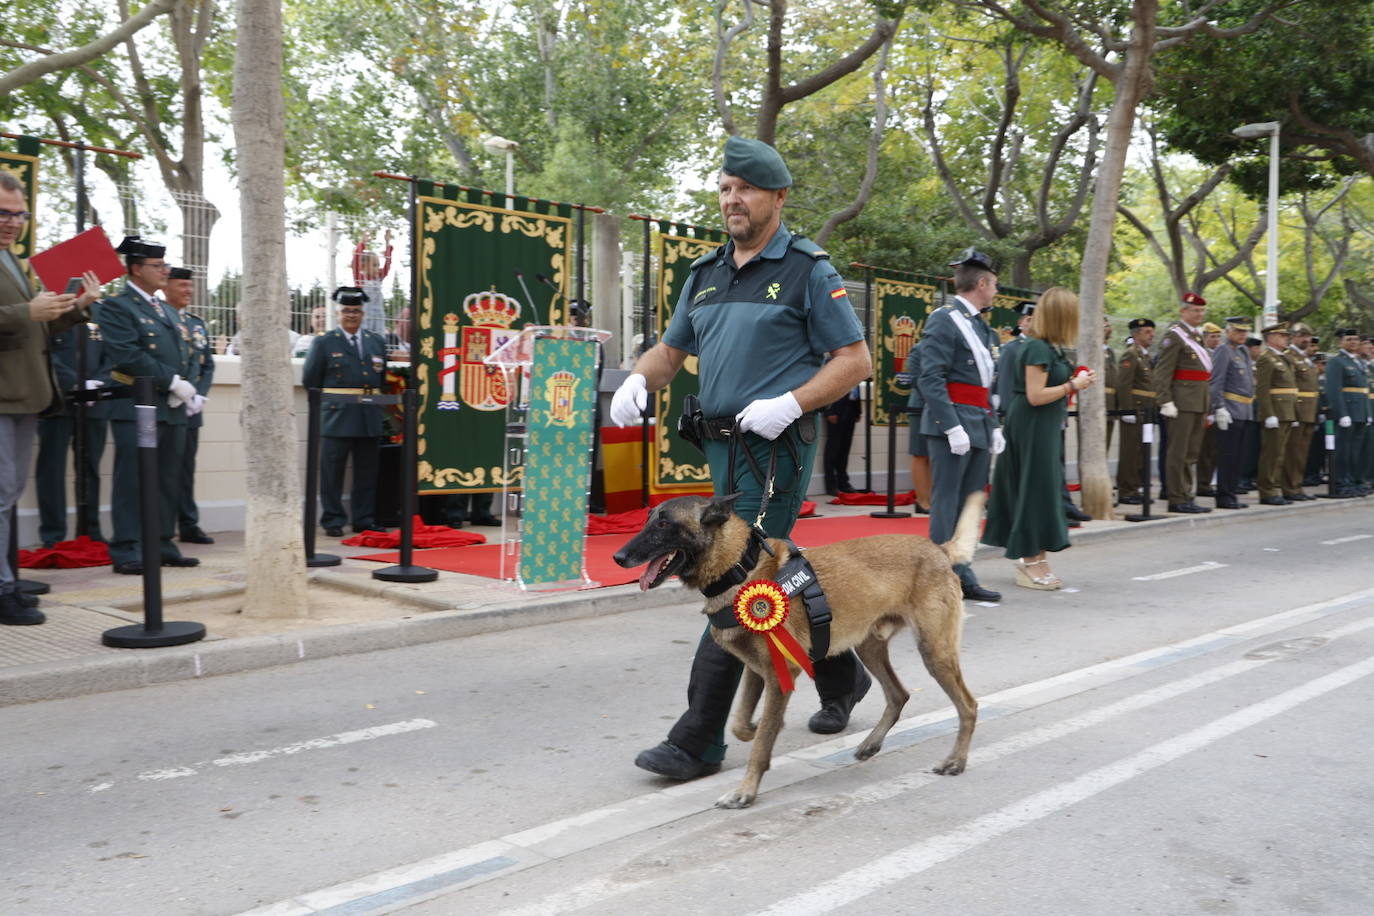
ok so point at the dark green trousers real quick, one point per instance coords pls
(334, 452)
(188, 513)
(126, 546)
(55, 437)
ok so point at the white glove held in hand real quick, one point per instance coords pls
(1344, 422)
(1169, 410)
(180, 389)
(1128, 418)
(1271, 422)
(195, 405)
(999, 442)
(627, 404)
(958, 440)
(1222, 418)
(768, 417)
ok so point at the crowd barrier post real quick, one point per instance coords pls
(1147, 419)
(892, 472)
(312, 482)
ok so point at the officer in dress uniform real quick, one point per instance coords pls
(180, 289)
(142, 337)
(959, 353)
(1134, 391)
(352, 361)
(1276, 407)
(1233, 408)
(56, 435)
(760, 312)
(1207, 456)
(1299, 439)
(1182, 374)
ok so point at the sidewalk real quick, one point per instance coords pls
(352, 612)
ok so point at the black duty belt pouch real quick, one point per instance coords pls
(691, 422)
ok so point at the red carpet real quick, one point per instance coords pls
(76, 554)
(485, 560)
(422, 536)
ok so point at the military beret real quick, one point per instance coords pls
(1315, 339)
(1280, 328)
(757, 163)
(1321, 357)
(1298, 327)
(1026, 308)
(1347, 332)
(1193, 299)
(1239, 322)
(134, 248)
(179, 273)
(973, 256)
(1136, 323)
(1210, 328)
(348, 295)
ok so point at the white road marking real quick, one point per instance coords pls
(1186, 571)
(1346, 540)
(904, 863)
(408, 884)
(314, 744)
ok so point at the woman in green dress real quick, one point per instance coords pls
(1025, 511)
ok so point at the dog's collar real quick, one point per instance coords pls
(740, 571)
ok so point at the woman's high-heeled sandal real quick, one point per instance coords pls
(1047, 583)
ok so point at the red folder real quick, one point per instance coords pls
(89, 250)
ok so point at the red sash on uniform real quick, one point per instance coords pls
(972, 395)
(1191, 375)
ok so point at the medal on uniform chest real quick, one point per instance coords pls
(761, 606)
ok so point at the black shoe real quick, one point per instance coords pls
(195, 536)
(131, 568)
(1206, 491)
(978, 593)
(1298, 497)
(1077, 514)
(672, 762)
(49, 545)
(831, 491)
(1074, 524)
(334, 531)
(1130, 500)
(370, 529)
(27, 600)
(833, 715)
(846, 488)
(489, 521)
(1231, 504)
(1188, 508)
(14, 613)
(1274, 501)
(181, 561)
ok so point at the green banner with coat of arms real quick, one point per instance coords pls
(24, 166)
(468, 255)
(678, 466)
(900, 306)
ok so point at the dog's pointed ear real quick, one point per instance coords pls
(718, 510)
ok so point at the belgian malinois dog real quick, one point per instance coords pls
(875, 586)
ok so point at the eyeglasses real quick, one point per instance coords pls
(18, 216)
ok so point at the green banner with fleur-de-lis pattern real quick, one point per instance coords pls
(900, 307)
(557, 461)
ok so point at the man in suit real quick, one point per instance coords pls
(142, 336)
(28, 386)
(349, 361)
(958, 365)
(840, 418)
(1232, 390)
(180, 289)
(1134, 391)
(1347, 399)
(1182, 374)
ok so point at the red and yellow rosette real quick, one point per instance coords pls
(761, 606)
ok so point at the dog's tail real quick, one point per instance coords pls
(961, 546)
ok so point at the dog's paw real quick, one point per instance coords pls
(867, 749)
(950, 767)
(745, 732)
(737, 798)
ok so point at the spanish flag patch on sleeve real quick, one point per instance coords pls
(838, 294)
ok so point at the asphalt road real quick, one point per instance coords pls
(1186, 729)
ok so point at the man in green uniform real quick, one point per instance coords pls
(1300, 437)
(1182, 372)
(1134, 391)
(142, 336)
(180, 289)
(1233, 408)
(1366, 460)
(1347, 399)
(1276, 407)
(761, 313)
(350, 361)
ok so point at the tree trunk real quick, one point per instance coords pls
(1131, 82)
(275, 550)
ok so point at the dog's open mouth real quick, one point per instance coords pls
(660, 568)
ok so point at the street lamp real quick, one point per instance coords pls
(1271, 276)
(496, 144)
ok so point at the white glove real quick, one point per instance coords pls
(1128, 418)
(768, 417)
(1222, 418)
(1271, 422)
(1294, 424)
(1344, 422)
(996, 401)
(958, 440)
(999, 442)
(1169, 411)
(195, 405)
(180, 391)
(93, 383)
(629, 400)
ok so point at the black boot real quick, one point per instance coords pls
(833, 715)
(14, 613)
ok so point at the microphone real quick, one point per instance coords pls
(547, 282)
(528, 298)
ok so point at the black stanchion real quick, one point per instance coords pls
(1329, 446)
(153, 632)
(891, 472)
(406, 571)
(312, 482)
(1146, 418)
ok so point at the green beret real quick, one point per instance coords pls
(757, 163)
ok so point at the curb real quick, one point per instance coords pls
(443, 618)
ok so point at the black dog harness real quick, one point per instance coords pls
(795, 577)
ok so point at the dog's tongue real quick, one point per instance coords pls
(646, 581)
